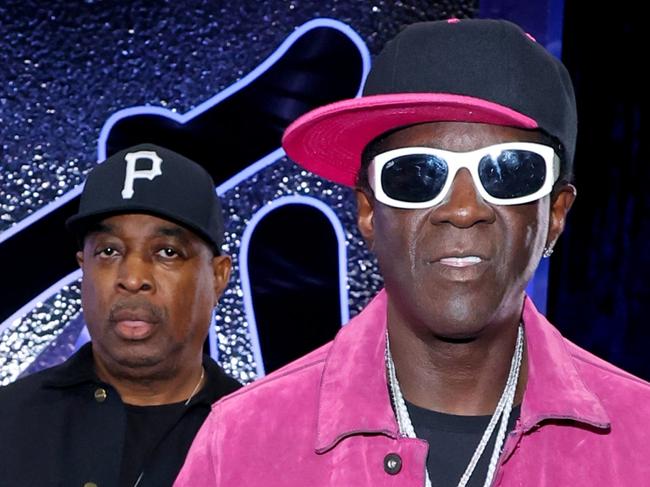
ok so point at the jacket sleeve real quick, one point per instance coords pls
(200, 467)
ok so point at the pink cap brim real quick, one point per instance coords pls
(329, 140)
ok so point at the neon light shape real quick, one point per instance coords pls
(269, 159)
(242, 83)
(40, 213)
(44, 296)
(244, 274)
(206, 105)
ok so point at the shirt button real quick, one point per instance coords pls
(392, 463)
(100, 396)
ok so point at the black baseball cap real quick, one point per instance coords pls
(474, 70)
(154, 180)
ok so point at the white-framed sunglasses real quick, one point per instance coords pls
(511, 173)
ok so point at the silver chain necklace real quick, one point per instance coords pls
(502, 413)
(196, 387)
(194, 391)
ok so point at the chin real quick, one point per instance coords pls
(459, 319)
(142, 363)
(456, 331)
(460, 338)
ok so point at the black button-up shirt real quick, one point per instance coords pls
(64, 427)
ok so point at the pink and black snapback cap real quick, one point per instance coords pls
(474, 70)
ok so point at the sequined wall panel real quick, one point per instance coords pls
(67, 67)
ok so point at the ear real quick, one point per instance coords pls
(221, 267)
(561, 202)
(80, 258)
(365, 214)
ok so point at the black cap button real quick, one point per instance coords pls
(392, 463)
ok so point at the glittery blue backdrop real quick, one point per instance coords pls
(69, 66)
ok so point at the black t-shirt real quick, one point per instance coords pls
(157, 438)
(452, 441)
(146, 426)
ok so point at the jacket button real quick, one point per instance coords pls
(100, 394)
(392, 463)
(90, 484)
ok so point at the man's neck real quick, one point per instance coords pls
(452, 377)
(143, 387)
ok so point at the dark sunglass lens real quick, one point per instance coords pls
(414, 178)
(512, 174)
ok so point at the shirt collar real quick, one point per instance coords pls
(80, 369)
(354, 394)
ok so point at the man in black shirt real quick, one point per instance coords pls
(125, 408)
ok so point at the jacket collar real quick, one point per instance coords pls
(80, 369)
(555, 389)
(354, 394)
(354, 389)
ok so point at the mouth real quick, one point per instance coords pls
(133, 329)
(460, 266)
(464, 261)
(134, 324)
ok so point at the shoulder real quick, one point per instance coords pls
(221, 384)
(623, 395)
(279, 411)
(27, 400)
(26, 386)
(612, 385)
(295, 379)
(49, 382)
(601, 370)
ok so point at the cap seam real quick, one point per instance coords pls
(394, 70)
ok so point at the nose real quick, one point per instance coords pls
(463, 206)
(135, 274)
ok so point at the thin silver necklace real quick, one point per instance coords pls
(196, 387)
(502, 413)
(194, 391)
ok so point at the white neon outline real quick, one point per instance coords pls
(82, 338)
(40, 213)
(242, 83)
(212, 336)
(209, 103)
(537, 287)
(244, 274)
(269, 159)
(42, 297)
(266, 161)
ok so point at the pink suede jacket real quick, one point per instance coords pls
(326, 420)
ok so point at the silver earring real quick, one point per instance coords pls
(548, 251)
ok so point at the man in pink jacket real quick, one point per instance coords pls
(461, 151)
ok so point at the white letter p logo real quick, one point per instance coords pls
(132, 174)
